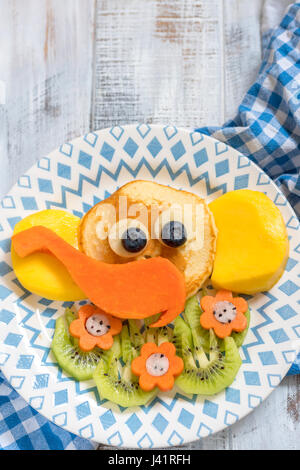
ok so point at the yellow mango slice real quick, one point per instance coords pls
(252, 243)
(42, 273)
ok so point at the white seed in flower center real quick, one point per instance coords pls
(97, 324)
(157, 364)
(224, 312)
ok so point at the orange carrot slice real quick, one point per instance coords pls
(212, 316)
(138, 289)
(165, 381)
(87, 342)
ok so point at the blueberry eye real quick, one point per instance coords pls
(128, 238)
(134, 240)
(173, 234)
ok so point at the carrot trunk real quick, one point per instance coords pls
(138, 289)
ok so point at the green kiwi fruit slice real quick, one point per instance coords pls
(137, 338)
(182, 336)
(202, 374)
(126, 346)
(117, 384)
(201, 336)
(70, 316)
(112, 355)
(151, 333)
(164, 334)
(69, 356)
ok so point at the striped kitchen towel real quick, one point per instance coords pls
(267, 125)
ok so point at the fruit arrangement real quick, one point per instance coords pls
(194, 358)
(149, 322)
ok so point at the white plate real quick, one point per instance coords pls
(77, 176)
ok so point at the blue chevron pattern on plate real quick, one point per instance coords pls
(77, 176)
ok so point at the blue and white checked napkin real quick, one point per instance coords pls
(267, 125)
(267, 130)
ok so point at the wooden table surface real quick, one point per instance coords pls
(77, 65)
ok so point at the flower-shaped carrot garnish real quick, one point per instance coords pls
(157, 366)
(224, 313)
(94, 327)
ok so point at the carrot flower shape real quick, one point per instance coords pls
(224, 313)
(157, 366)
(94, 327)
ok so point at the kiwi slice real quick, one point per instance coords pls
(117, 384)
(182, 336)
(69, 356)
(126, 346)
(201, 337)
(70, 316)
(202, 374)
(164, 334)
(112, 355)
(151, 333)
(136, 336)
(239, 338)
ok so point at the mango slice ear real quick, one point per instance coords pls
(252, 244)
(41, 273)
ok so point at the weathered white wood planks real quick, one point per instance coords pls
(46, 54)
(181, 61)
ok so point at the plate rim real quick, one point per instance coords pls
(188, 437)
